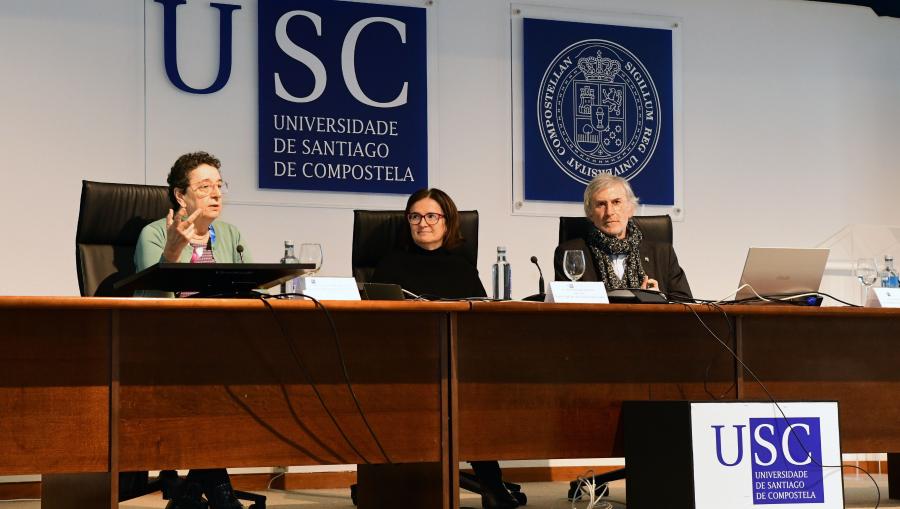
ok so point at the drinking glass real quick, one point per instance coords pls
(573, 264)
(311, 253)
(866, 270)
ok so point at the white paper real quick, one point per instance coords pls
(329, 288)
(883, 298)
(577, 292)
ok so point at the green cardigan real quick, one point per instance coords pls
(150, 244)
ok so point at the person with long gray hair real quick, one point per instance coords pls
(615, 250)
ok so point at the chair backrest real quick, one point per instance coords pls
(378, 232)
(654, 228)
(109, 222)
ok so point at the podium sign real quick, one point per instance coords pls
(747, 454)
(738, 455)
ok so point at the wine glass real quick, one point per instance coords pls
(866, 270)
(573, 264)
(311, 253)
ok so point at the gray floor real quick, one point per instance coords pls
(858, 492)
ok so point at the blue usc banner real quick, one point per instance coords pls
(597, 99)
(342, 97)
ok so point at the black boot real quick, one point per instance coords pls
(222, 497)
(494, 494)
(217, 488)
(497, 497)
(187, 496)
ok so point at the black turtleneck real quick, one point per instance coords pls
(438, 273)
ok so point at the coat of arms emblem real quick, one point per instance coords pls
(599, 111)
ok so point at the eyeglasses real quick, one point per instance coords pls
(205, 188)
(431, 218)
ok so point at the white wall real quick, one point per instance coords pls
(71, 108)
(789, 110)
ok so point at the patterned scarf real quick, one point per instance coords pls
(602, 246)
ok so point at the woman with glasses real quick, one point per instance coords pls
(428, 265)
(196, 190)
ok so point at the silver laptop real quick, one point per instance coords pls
(782, 271)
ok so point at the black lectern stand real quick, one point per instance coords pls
(213, 279)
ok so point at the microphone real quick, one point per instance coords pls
(540, 281)
(240, 251)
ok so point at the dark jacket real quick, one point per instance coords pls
(438, 273)
(658, 259)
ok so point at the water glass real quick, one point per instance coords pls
(573, 264)
(866, 270)
(312, 254)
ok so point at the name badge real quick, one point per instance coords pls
(329, 288)
(883, 298)
(577, 292)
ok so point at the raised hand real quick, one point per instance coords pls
(178, 233)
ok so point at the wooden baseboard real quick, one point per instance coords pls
(550, 474)
(872, 467)
(296, 481)
(334, 480)
(20, 490)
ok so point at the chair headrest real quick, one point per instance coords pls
(654, 228)
(116, 213)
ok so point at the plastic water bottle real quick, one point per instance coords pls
(502, 275)
(889, 277)
(289, 286)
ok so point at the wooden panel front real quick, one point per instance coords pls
(54, 389)
(212, 387)
(852, 356)
(548, 381)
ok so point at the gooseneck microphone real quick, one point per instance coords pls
(240, 251)
(540, 281)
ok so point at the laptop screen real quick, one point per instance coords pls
(782, 271)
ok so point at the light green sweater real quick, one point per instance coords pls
(150, 244)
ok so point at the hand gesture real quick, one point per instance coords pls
(178, 233)
(650, 284)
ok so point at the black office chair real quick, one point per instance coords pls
(654, 228)
(378, 232)
(110, 220)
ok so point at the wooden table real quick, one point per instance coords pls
(541, 380)
(92, 387)
(98, 386)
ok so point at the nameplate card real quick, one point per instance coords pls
(577, 292)
(883, 298)
(329, 288)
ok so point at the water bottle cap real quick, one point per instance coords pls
(289, 243)
(501, 249)
(888, 258)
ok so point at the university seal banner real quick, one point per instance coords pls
(597, 99)
(342, 96)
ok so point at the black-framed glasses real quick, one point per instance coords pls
(431, 218)
(205, 188)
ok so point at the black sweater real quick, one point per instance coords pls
(438, 273)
